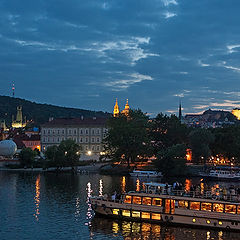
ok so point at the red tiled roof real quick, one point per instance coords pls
(76, 122)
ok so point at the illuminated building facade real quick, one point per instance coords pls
(87, 132)
(236, 113)
(18, 122)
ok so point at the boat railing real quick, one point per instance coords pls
(207, 195)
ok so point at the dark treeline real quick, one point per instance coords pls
(137, 137)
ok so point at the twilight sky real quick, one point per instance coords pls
(84, 54)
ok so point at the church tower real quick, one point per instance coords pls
(180, 111)
(116, 109)
(125, 111)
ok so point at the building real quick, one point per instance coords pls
(210, 119)
(28, 141)
(18, 122)
(87, 132)
(125, 111)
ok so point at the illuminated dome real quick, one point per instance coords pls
(7, 148)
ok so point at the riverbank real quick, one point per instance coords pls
(91, 168)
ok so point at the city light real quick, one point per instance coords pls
(89, 153)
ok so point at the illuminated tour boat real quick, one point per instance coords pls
(159, 203)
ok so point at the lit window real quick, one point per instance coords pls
(194, 220)
(183, 204)
(146, 201)
(238, 209)
(206, 206)
(156, 216)
(195, 205)
(220, 223)
(115, 211)
(218, 207)
(126, 213)
(208, 221)
(145, 215)
(137, 200)
(136, 214)
(230, 209)
(157, 201)
(128, 199)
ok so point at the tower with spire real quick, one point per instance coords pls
(18, 122)
(180, 111)
(116, 109)
(13, 90)
(125, 111)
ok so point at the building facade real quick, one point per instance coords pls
(87, 132)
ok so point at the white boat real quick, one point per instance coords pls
(222, 174)
(160, 204)
(149, 174)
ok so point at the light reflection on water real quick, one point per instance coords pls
(37, 197)
(49, 206)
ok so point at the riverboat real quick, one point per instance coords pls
(159, 203)
(149, 174)
(222, 175)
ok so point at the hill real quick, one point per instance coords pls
(40, 113)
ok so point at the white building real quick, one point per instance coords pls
(87, 132)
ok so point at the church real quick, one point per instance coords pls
(116, 110)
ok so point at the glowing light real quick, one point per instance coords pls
(89, 153)
(123, 184)
(37, 197)
(188, 184)
(236, 113)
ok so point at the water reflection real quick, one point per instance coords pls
(140, 230)
(138, 185)
(37, 197)
(89, 208)
(100, 187)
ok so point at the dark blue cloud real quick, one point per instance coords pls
(87, 53)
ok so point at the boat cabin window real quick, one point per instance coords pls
(238, 209)
(195, 205)
(136, 214)
(218, 207)
(157, 201)
(146, 200)
(145, 215)
(128, 199)
(136, 200)
(156, 216)
(126, 213)
(115, 211)
(183, 204)
(230, 208)
(206, 206)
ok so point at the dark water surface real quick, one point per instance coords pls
(46, 206)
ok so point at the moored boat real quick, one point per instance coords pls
(159, 203)
(222, 175)
(149, 174)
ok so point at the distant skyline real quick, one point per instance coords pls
(85, 54)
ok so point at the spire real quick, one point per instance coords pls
(180, 111)
(116, 109)
(13, 89)
(125, 111)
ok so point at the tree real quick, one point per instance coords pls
(171, 161)
(167, 131)
(69, 152)
(127, 136)
(227, 142)
(66, 154)
(27, 156)
(200, 139)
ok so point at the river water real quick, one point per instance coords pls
(47, 206)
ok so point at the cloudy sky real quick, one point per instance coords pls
(87, 53)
